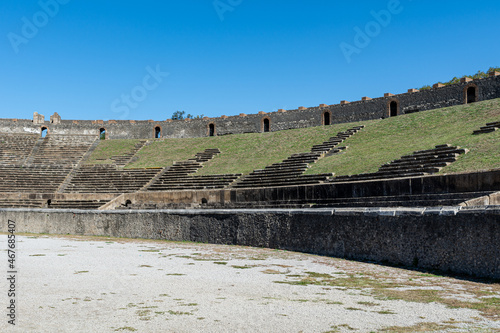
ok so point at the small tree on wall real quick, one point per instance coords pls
(179, 115)
(478, 75)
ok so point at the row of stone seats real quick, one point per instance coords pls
(286, 181)
(122, 160)
(109, 179)
(326, 146)
(415, 200)
(206, 155)
(60, 150)
(178, 176)
(290, 171)
(193, 182)
(417, 164)
(490, 127)
(20, 203)
(75, 204)
(34, 179)
(15, 148)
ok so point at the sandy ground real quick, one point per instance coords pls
(82, 284)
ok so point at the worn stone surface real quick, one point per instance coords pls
(366, 109)
(449, 239)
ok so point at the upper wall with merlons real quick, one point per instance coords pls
(439, 96)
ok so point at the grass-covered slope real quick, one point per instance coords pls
(108, 148)
(381, 141)
(240, 153)
(385, 140)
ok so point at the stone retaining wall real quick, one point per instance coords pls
(364, 109)
(463, 241)
(451, 183)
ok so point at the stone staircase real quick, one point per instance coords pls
(419, 163)
(122, 160)
(62, 150)
(109, 179)
(490, 127)
(291, 170)
(327, 146)
(35, 179)
(16, 148)
(180, 175)
(287, 172)
(206, 155)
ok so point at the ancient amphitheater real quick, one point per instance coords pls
(407, 212)
(409, 180)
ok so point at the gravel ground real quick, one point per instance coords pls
(91, 284)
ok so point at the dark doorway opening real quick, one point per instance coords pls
(44, 132)
(266, 125)
(326, 118)
(157, 132)
(102, 134)
(471, 95)
(204, 201)
(211, 130)
(393, 109)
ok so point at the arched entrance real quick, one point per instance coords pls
(266, 125)
(211, 129)
(471, 95)
(43, 132)
(102, 133)
(326, 118)
(157, 132)
(393, 109)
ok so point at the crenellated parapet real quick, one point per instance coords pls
(367, 108)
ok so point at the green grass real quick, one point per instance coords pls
(241, 153)
(380, 142)
(383, 141)
(108, 148)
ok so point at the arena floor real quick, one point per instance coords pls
(93, 284)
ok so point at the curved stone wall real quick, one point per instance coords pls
(463, 241)
(365, 109)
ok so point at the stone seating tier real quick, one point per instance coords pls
(15, 148)
(296, 170)
(181, 173)
(206, 155)
(109, 179)
(290, 171)
(490, 127)
(418, 163)
(20, 203)
(194, 182)
(76, 204)
(31, 179)
(122, 160)
(327, 146)
(375, 176)
(284, 181)
(62, 150)
(416, 200)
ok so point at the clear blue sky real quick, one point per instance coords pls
(93, 59)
